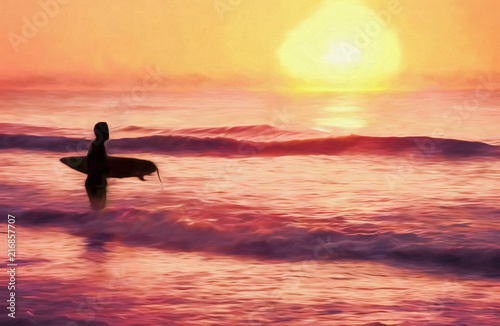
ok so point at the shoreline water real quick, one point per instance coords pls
(252, 239)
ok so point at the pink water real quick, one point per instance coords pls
(265, 218)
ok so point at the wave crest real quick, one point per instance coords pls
(166, 230)
(189, 145)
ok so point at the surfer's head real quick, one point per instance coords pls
(101, 131)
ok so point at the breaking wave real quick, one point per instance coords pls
(239, 141)
(168, 230)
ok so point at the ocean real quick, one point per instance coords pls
(274, 209)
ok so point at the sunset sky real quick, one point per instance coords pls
(253, 43)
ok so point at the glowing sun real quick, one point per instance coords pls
(343, 45)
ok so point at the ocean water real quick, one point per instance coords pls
(275, 209)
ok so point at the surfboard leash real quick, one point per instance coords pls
(159, 178)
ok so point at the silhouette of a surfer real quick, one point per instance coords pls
(96, 159)
(99, 166)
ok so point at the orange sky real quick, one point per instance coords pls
(443, 43)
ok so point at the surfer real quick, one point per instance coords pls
(96, 157)
(97, 150)
(99, 166)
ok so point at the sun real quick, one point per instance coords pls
(344, 45)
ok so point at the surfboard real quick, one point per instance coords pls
(114, 167)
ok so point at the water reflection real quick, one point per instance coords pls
(346, 118)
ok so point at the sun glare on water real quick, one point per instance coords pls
(344, 45)
(343, 118)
